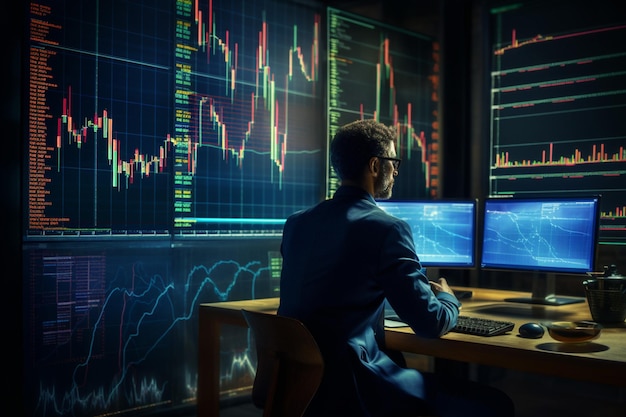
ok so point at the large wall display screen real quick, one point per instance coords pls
(558, 97)
(171, 118)
(249, 116)
(99, 117)
(113, 329)
(376, 71)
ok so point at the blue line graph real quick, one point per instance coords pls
(443, 231)
(116, 331)
(540, 235)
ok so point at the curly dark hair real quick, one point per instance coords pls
(355, 143)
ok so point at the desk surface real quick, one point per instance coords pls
(601, 361)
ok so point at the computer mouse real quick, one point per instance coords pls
(531, 330)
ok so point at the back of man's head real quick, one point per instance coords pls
(355, 143)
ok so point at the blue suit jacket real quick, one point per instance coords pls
(341, 259)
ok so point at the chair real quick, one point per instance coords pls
(289, 364)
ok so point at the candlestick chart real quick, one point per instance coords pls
(198, 117)
(248, 116)
(99, 119)
(380, 72)
(558, 95)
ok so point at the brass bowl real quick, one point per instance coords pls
(574, 331)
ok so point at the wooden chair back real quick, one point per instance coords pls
(289, 364)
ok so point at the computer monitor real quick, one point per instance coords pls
(546, 235)
(444, 231)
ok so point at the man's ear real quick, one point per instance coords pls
(374, 165)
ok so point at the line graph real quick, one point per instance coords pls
(540, 234)
(443, 231)
(106, 321)
(538, 38)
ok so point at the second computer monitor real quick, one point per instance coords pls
(444, 231)
(540, 234)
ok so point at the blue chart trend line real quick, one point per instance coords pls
(540, 236)
(443, 232)
(113, 348)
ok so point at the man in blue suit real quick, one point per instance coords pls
(341, 260)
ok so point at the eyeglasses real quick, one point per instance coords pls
(394, 161)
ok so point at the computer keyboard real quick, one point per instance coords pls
(465, 324)
(482, 327)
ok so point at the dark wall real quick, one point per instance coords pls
(11, 182)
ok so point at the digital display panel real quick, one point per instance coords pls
(549, 234)
(98, 149)
(444, 231)
(249, 116)
(377, 71)
(558, 95)
(113, 329)
(183, 118)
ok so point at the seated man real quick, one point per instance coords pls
(341, 260)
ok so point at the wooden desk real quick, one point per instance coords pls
(600, 361)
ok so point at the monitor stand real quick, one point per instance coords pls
(543, 292)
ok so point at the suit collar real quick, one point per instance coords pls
(352, 192)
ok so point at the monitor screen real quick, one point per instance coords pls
(557, 104)
(383, 72)
(540, 234)
(443, 230)
(164, 118)
(102, 322)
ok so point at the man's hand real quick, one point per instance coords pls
(441, 285)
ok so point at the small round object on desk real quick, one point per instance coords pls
(574, 331)
(531, 330)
